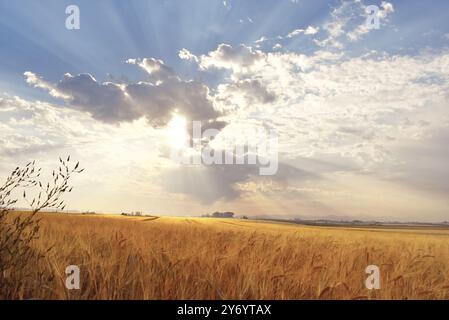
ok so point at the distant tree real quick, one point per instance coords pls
(228, 214)
(223, 214)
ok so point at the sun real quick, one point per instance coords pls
(177, 132)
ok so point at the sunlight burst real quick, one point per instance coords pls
(177, 132)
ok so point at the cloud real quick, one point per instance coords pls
(158, 102)
(156, 99)
(185, 54)
(38, 82)
(329, 105)
(358, 32)
(261, 39)
(156, 68)
(240, 61)
(276, 42)
(309, 31)
(334, 27)
(34, 127)
(385, 10)
(294, 33)
(34, 130)
(210, 184)
(251, 90)
(424, 163)
(229, 57)
(348, 22)
(107, 101)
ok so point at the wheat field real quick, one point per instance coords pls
(205, 258)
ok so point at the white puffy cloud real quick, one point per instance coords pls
(156, 68)
(187, 55)
(311, 30)
(229, 57)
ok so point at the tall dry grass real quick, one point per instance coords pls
(175, 258)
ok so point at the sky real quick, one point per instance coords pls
(360, 114)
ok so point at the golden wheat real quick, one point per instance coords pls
(188, 258)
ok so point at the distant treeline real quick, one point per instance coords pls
(217, 214)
